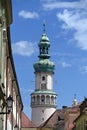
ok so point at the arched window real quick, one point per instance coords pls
(43, 50)
(43, 86)
(33, 99)
(43, 99)
(43, 78)
(38, 99)
(48, 99)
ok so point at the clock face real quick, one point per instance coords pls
(43, 86)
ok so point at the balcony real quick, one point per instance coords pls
(43, 101)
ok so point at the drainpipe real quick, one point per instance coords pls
(12, 104)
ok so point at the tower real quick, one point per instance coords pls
(75, 102)
(43, 99)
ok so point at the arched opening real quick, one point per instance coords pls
(42, 99)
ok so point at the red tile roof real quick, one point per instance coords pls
(56, 120)
(25, 122)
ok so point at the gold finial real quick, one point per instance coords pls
(44, 25)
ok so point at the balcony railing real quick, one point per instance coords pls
(37, 104)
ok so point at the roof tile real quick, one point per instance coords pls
(26, 123)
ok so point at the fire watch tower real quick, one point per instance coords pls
(43, 99)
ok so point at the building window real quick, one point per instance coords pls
(33, 99)
(43, 99)
(42, 111)
(43, 86)
(43, 78)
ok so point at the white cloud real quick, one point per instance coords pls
(65, 65)
(23, 48)
(76, 20)
(28, 15)
(83, 69)
(50, 5)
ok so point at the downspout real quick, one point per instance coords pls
(12, 104)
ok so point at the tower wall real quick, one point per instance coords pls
(41, 114)
(48, 81)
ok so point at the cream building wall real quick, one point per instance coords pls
(8, 80)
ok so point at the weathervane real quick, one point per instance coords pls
(44, 25)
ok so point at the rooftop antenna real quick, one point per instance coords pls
(44, 25)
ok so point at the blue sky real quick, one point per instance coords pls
(66, 27)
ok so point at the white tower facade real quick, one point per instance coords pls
(43, 99)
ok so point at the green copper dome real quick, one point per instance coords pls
(44, 41)
(44, 64)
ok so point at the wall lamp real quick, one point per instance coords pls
(9, 102)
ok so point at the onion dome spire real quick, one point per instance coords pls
(44, 64)
(44, 44)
